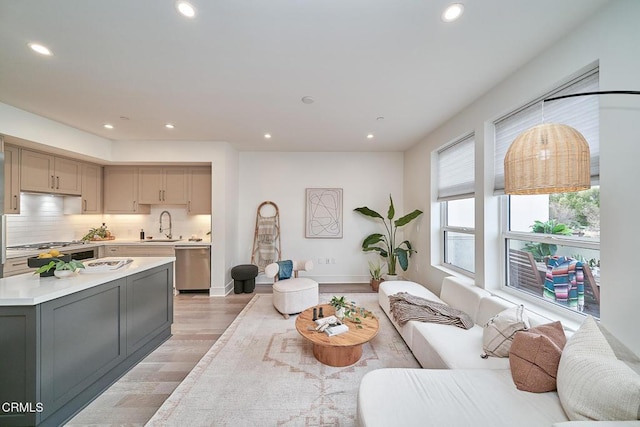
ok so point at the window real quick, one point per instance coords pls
(541, 231)
(456, 180)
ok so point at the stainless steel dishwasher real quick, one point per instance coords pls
(193, 267)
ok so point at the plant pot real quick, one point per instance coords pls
(391, 277)
(340, 313)
(375, 284)
(63, 273)
(36, 262)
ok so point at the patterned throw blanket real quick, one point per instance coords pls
(405, 307)
(564, 282)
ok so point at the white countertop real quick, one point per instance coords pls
(19, 253)
(31, 289)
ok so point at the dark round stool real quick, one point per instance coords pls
(244, 278)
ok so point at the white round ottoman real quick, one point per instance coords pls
(295, 295)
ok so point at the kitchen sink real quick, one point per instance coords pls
(160, 240)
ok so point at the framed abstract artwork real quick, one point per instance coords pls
(323, 213)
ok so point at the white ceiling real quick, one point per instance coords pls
(239, 69)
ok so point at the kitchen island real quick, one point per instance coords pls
(64, 341)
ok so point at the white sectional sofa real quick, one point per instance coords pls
(458, 388)
(438, 346)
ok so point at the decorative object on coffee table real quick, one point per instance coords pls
(339, 350)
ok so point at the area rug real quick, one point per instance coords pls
(261, 372)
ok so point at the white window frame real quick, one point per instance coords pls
(506, 235)
(444, 228)
(464, 190)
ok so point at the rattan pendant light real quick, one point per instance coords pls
(551, 158)
(548, 158)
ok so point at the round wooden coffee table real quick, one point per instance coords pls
(339, 350)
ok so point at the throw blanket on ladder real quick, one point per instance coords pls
(405, 307)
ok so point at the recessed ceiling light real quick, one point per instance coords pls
(453, 12)
(42, 50)
(169, 126)
(108, 126)
(267, 136)
(186, 9)
(370, 136)
(307, 100)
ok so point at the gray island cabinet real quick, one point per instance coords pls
(64, 341)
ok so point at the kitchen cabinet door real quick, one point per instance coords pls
(150, 185)
(44, 173)
(91, 188)
(121, 190)
(68, 176)
(36, 172)
(175, 186)
(199, 191)
(168, 185)
(11, 179)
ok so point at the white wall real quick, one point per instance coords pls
(610, 38)
(28, 126)
(367, 179)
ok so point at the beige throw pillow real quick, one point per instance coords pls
(592, 383)
(534, 357)
(499, 331)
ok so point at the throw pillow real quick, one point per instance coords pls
(499, 331)
(592, 383)
(534, 357)
(285, 269)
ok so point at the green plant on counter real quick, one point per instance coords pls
(59, 264)
(97, 233)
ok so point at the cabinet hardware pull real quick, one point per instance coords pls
(160, 195)
(163, 199)
(85, 204)
(134, 205)
(189, 206)
(15, 200)
(52, 182)
(57, 182)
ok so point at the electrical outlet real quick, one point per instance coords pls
(321, 260)
(327, 260)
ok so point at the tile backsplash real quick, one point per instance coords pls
(42, 219)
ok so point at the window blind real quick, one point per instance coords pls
(581, 113)
(456, 170)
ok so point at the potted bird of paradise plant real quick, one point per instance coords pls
(385, 244)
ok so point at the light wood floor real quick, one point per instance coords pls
(199, 320)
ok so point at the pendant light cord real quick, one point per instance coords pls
(608, 92)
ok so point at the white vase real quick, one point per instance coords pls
(63, 273)
(391, 277)
(340, 313)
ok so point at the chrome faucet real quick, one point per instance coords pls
(162, 229)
